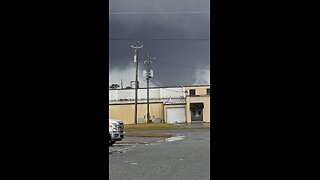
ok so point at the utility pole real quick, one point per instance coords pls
(136, 60)
(149, 75)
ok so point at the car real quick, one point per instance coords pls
(116, 131)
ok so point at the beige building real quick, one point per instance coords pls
(166, 104)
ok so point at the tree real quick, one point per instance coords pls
(114, 86)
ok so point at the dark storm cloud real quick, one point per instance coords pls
(158, 5)
(178, 62)
(160, 26)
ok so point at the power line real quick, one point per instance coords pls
(159, 80)
(185, 66)
(160, 39)
(164, 88)
(156, 83)
(158, 12)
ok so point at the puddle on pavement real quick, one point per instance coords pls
(176, 138)
(129, 143)
(132, 144)
(155, 143)
(116, 152)
(132, 162)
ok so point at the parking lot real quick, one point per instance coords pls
(132, 142)
(184, 155)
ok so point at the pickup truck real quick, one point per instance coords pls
(116, 132)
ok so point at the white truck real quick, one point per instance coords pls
(116, 131)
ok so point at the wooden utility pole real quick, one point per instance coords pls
(148, 76)
(136, 60)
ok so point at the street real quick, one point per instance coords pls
(186, 155)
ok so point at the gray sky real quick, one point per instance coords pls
(175, 32)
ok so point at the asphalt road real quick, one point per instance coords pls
(184, 156)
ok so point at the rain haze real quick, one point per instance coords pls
(175, 32)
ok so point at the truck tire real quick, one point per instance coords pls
(110, 142)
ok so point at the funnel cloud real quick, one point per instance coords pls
(175, 32)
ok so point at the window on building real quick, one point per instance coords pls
(192, 92)
(208, 92)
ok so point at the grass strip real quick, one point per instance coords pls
(156, 126)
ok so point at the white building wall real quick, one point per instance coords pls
(154, 93)
(172, 92)
(126, 94)
(113, 95)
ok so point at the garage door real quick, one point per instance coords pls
(176, 115)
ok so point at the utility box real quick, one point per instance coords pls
(146, 74)
(141, 120)
(156, 120)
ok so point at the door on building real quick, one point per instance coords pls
(196, 110)
(176, 115)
